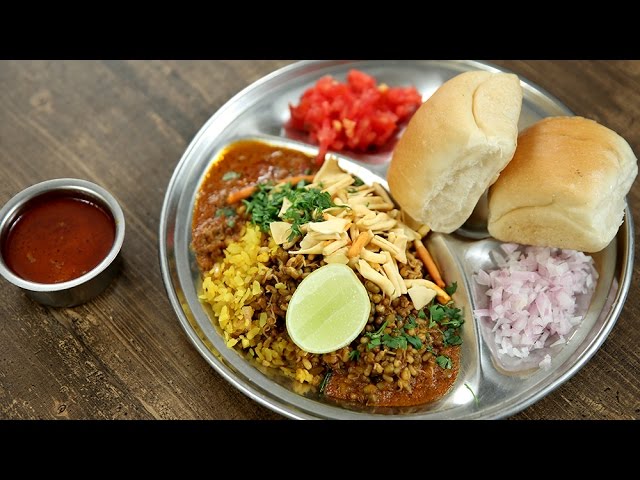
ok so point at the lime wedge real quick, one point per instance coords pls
(328, 310)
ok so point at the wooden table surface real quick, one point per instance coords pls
(125, 125)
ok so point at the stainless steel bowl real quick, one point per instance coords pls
(81, 289)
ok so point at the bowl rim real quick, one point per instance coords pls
(11, 209)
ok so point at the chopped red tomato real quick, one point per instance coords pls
(357, 115)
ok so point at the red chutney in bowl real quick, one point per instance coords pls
(58, 236)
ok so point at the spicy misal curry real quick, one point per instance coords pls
(254, 251)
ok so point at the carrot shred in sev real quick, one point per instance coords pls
(246, 192)
(357, 246)
(425, 256)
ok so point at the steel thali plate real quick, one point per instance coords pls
(259, 111)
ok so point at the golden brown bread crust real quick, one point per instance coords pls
(565, 186)
(455, 146)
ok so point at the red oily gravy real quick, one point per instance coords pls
(59, 236)
(431, 385)
(216, 222)
(251, 162)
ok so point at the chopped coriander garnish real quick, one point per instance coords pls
(436, 313)
(446, 316)
(454, 322)
(475, 398)
(398, 339)
(358, 181)
(450, 337)
(395, 342)
(449, 319)
(378, 332)
(324, 382)
(414, 341)
(422, 315)
(354, 355)
(265, 204)
(444, 362)
(226, 211)
(230, 175)
(307, 206)
(375, 338)
(451, 289)
(231, 222)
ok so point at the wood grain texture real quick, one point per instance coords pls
(125, 125)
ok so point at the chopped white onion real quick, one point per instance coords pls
(532, 297)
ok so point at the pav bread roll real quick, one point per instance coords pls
(565, 186)
(454, 147)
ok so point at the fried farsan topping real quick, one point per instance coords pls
(364, 230)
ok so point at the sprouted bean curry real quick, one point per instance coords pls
(265, 218)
